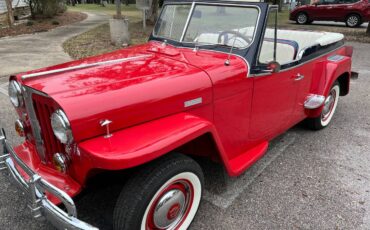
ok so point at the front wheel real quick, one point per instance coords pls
(163, 195)
(328, 111)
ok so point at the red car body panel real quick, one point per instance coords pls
(145, 100)
(334, 12)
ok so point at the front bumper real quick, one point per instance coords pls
(35, 188)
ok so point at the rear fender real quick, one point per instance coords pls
(142, 143)
(336, 66)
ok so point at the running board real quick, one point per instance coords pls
(314, 101)
(242, 162)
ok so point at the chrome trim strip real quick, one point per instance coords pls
(303, 50)
(35, 125)
(187, 22)
(82, 66)
(35, 189)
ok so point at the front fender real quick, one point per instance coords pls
(142, 143)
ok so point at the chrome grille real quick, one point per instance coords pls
(39, 107)
(35, 126)
(43, 108)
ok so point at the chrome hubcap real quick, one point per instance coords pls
(170, 209)
(329, 104)
(352, 21)
(302, 18)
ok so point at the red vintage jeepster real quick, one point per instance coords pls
(216, 79)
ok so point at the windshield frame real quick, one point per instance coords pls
(193, 4)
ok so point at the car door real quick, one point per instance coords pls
(335, 10)
(274, 102)
(323, 10)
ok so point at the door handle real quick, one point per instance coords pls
(298, 77)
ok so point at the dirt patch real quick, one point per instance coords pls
(97, 40)
(43, 24)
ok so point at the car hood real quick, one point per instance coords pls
(128, 87)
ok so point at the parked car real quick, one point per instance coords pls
(352, 12)
(215, 80)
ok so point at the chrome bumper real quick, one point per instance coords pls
(35, 189)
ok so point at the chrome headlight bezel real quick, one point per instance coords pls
(61, 127)
(15, 94)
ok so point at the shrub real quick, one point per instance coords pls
(46, 8)
(29, 23)
(55, 22)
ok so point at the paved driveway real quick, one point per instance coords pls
(307, 180)
(31, 51)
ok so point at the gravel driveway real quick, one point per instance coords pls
(307, 180)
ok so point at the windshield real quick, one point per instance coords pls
(208, 24)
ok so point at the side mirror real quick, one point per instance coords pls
(273, 67)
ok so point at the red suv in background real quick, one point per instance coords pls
(352, 12)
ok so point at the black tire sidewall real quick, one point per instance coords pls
(145, 185)
(307, 19)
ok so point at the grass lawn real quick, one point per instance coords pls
(97, 40)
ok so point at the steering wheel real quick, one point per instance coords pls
(235, 33)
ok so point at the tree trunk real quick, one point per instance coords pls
(368, 30)
(118, 9)
(153, 12)
(10, 12)
(281, 2)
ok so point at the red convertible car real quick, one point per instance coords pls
(216, 79)
(352, 12)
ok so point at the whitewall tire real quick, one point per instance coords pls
(328, 111)
(164, 194)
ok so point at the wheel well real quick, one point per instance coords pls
(199, 148)
(343, 84)
(203, 146)
(301, 12)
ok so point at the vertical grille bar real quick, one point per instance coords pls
(43, 107)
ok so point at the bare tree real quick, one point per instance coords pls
(10, 12)
(153, 12)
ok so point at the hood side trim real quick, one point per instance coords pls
(27, 76)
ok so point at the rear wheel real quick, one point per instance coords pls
(302, 18)
(163, 195)
(353, 20)
(328, 111)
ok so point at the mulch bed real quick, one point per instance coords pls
(43, 24)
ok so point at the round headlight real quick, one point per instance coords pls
(15, 93)
(61, 127)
